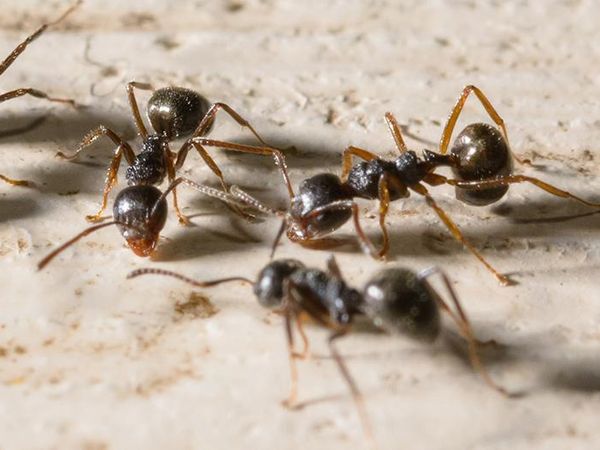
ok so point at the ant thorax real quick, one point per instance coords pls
(149, 166)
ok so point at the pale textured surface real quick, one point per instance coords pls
(90, 360)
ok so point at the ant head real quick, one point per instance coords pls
(319, 191)
(269, 285)
(140, 212)
(480, 152)
(398, 301)
(176, 111)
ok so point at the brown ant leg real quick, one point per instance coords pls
(34, 93)
(460, 103)
(503, 181)
(364, 241)
(384, 204)
(396, 133)
(123, 148)
(305, 345)
(291, 401)
(212, 165)
(457, 234)
(209, 118)
(351, 151)
(171, 176)
(256, 150)
(333, 268)
(135, 110)
(359, 400)
(14, 182)
(462, 321)
(29, 39)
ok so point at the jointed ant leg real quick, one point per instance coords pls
(209, 118)
(23, 45)
(365, 243)
(456, 233)
(462, 321)
(210, 162)
(171, 176)
(356, 395)
(384, 204)
(256, 150)
(503, 181)
(396, 133)
(93, 136)
(135, 110)
(293, 396)
(351, 151)
(34, 93)
(14, 182)
(305, 345)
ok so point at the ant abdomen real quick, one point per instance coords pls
(481, 153)
(140, 213)
(176, 111)
(321, 190)
(398, 301)
(270, 282)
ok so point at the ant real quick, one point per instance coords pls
(4, 65)
(140, 213)
(480, 159)
(173, 112)
(396, 300)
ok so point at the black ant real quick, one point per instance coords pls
(173, 112)
(30, 91)
(396, 300)
(480, 159)
(140, 213)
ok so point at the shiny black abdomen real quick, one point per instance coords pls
(317, 191)
(176, 111)
(398, 301)
(481, 153)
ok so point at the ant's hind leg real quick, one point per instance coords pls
(34, 93)
(457, 234)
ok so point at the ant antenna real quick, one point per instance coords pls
(169, 273)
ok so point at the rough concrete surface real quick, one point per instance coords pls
(90, 360)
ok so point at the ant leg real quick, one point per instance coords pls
(333, 268)
(305, 344)
(384, 204)
(359, 400)
(396, 133)
(457, 234)
(93, 136)
(503, 181)
(460, 103)
(14, 182)
(29, 39)
(34, 93)
(209, 118)
(135, 110)
(292, 399)
(212, 165)
(462, 321)
(111, 180)
(351, 151)
(256, 150)
(171, 175)
(341, 205)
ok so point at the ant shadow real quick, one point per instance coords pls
(17, 208)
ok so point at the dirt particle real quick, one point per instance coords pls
(2, 352)
(234, 7)
(196, 306)
(167, 43)
(20, 350)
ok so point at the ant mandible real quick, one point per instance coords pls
(140, 213)
(396, 300)
(173, 112)
(4, 65)
(480, 159)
